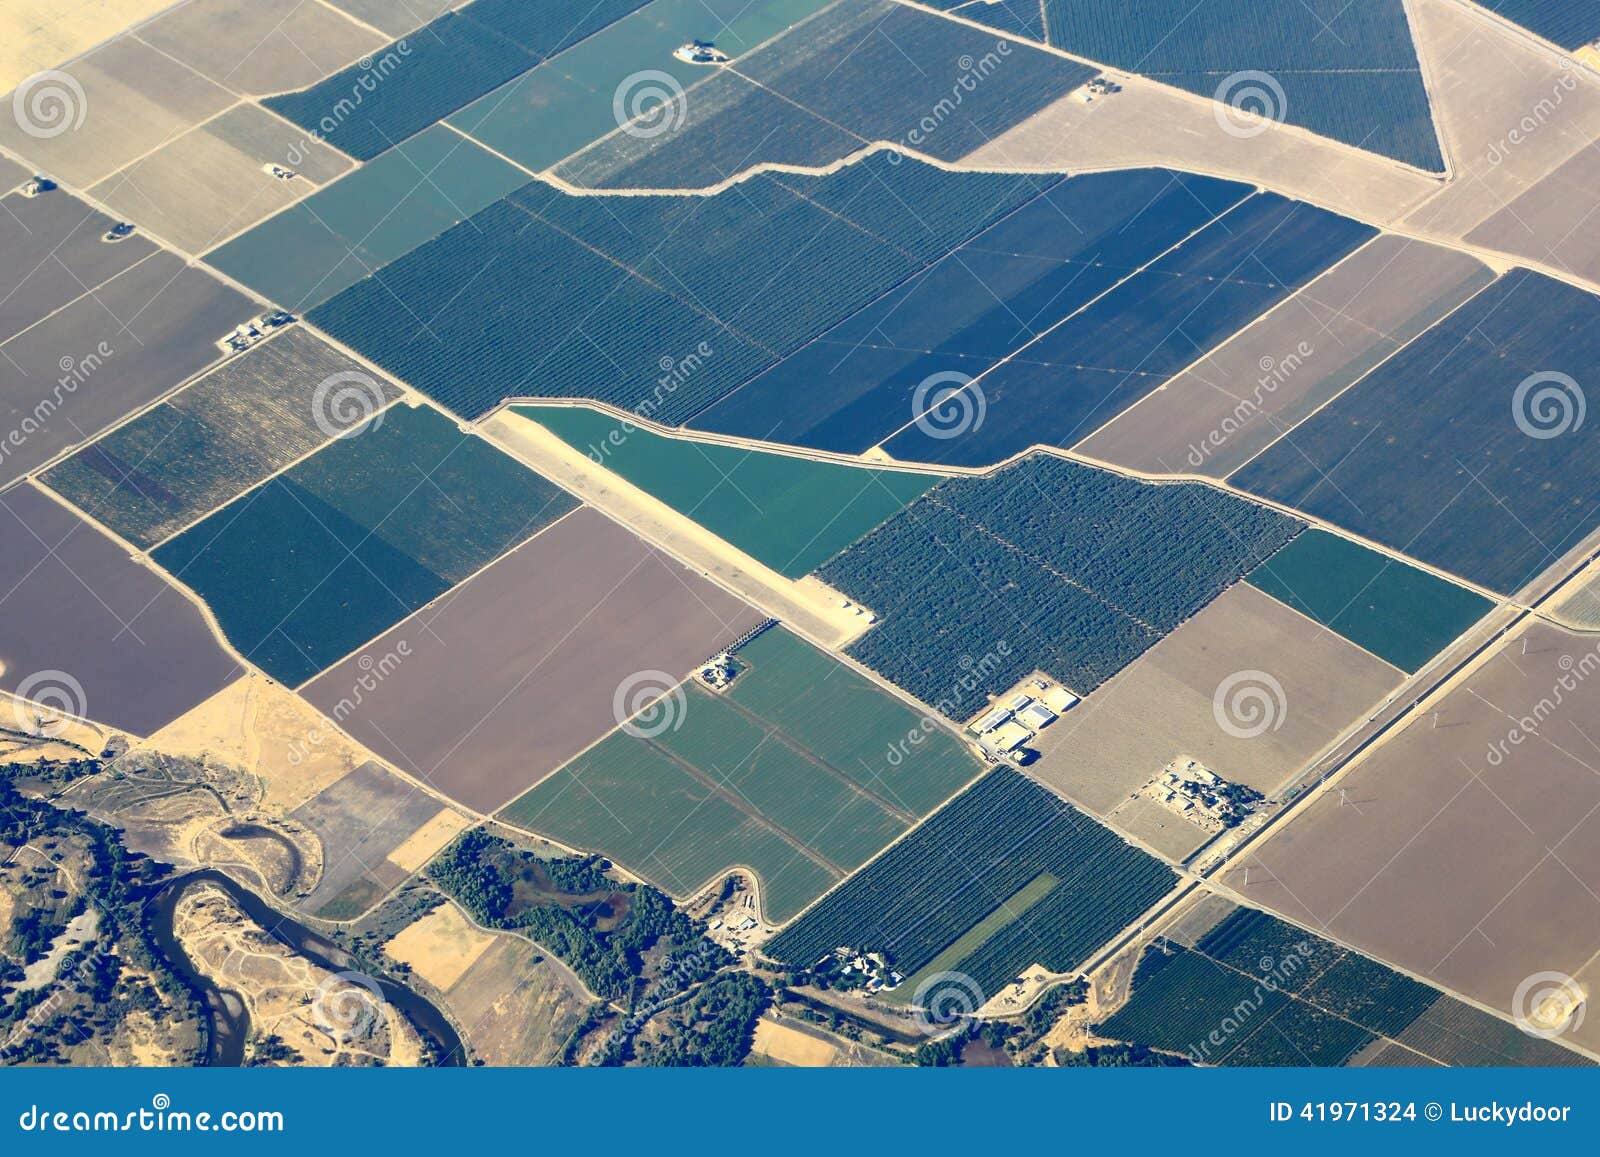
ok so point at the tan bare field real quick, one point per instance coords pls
(1554, 220)
(1578, 607)
(1150, 125)
(203, 187)
(396, 17)
(788, 1045)
(427, 841)
(44, 34)
(286, 995)
(130, 98)
(1466, 848)
(516, 1006)
(1249, 391)
(1508, 110)
(1120, 737)
(441, 946)
(257, 49)
(257, 725)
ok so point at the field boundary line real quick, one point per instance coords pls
(1120, 74)
(1260, 320)
(1254, 192)
(312, 453)
(433, 602)
(1362, 378)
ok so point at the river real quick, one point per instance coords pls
(230, 1022)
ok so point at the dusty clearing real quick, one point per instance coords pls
(255, 724)
(323, 1020)
(441, 946)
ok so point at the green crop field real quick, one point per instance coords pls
(251, 416)
(346, 231)
(1046, 564)
(792, 514)
(977, 855)
(1258, 991)
(1399, 613)
(317, 560)
(793, 772)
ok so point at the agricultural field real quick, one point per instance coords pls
(970, 858)
(633, 286)
(1048, 564)
(1569, 23)
(800, 771)
(368, 822)
(1257, 991)
(52, 246)
(382, 211)
(1403, 615)
(1232, 403)
(1348, 72)
(1446, 849)
(858, 72)
(566, 103)
(154, 97)
(517, 670)
(792, 514)
(255, 50)
(383, 521)
(201, 188)
(453, 60)
(115, 348)
(43, 33)
(1560, 204)
(394, 19)
(1466, 449)
(1080, 374)
(857, 383)
(207, 444)
(1313, 686)
(92, 632)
